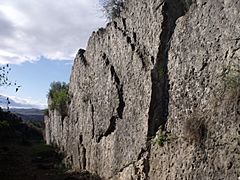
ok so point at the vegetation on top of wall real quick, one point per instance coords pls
(112, 8)
(59, 96)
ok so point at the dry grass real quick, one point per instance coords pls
(195, 129)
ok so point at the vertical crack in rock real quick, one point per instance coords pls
(140, 49)
(119, 87)
(84, 159)
(110, 130)
(80, 139)
(120, 108)
(121, 105)
(141, 53)
(158, 112)
(112, 126)
(93, 124)
(114, 75)
(124, 23)
(104, 56)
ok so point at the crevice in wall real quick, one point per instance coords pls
(112, 126)
(119, 87)
(140, 54)
(124, 23)
(120, 108)
(82, 57)
(92, 117)
(80, 139)
(84, 159)
(134, 36)
(158, 112)
(131, 39)
(104, 56)
(114, 75)
(121, 105)
(110, 130)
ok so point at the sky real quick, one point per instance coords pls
(39, 40)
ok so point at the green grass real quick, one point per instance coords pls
(44, 150)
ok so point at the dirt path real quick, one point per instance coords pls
(31, 161)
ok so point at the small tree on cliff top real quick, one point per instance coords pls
(112, 8)
(58, 93)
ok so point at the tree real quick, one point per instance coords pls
(56, 86)
(58, 93)
(112, 8)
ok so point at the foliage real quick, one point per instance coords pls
(59, 96)
(42, 149)
(112, 8)
(4, 124)
(8, 124)
(55, 87)
(9, 117)
(161, 138)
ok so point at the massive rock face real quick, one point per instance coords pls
(156, 94)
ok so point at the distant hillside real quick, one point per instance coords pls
(16, 103)
(29, 114)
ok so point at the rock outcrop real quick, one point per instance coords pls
(156, 94)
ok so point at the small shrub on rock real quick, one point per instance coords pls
(195, 129)
(162, 137)
(112, 8)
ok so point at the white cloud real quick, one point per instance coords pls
(54, 29)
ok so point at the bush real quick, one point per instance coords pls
(9, 117)
(58, 93)
(162, 137)
(4, 124)
(113, 8)
(55, 87)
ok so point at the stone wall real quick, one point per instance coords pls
(156, 94)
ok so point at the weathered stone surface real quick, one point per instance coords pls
(163, 64)
(203, 53)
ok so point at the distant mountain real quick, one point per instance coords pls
(29, 114)
(16, 103)
(25, 110)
